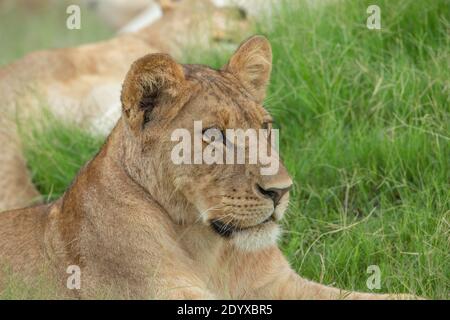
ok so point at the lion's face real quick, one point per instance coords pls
(234, 199)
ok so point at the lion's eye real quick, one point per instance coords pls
(213, 134)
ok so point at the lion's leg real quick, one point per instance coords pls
(274, 279)
(180, 282)
(130, 286)
(295, 287)
(188, 292)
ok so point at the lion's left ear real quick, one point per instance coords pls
(252, 64)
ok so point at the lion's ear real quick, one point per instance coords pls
(252, 64)
(153, 81)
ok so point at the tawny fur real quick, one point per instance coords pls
(139, 226)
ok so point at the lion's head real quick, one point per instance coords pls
(159, 97)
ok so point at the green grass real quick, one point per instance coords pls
(365, 133)
(23, 31)
(55, 151)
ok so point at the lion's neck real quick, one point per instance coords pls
(105, 196)
(105, 177)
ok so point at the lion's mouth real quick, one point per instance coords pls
(226, 229)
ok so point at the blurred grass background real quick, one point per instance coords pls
(24, 30)
(365, 133)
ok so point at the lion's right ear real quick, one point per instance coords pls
(153, 81)
(252, 64)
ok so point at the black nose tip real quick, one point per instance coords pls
(273, 193)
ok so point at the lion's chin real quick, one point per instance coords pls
(257, 238)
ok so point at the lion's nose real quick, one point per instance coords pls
(273, 193)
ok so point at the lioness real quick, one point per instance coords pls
(140, 226)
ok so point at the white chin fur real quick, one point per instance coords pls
(257, 238)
